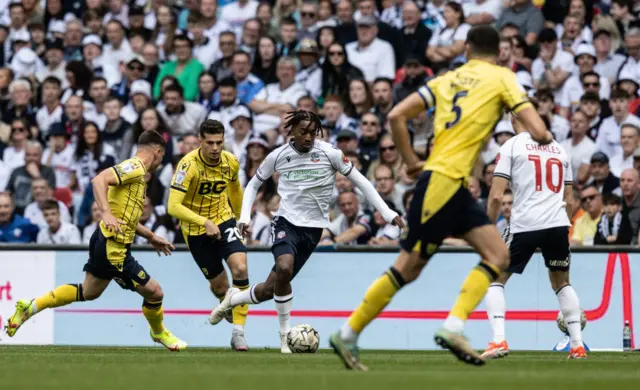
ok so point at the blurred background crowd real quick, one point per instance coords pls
(80, 80)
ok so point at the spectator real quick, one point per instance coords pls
(505, 214)
(95, 61)
(584, 230)
(19, 184)
(20, 104)
(621, 11)
(310, 73)
(360, 99)
(415, 35)
(134, 71)
(136, 23)
(265, 15)
(214, 27)
(117, 131)
(353, 226)
(386, 233)
(96, 217)
(547, 109)
(579, 147)
(117, 51)
(55, 63)
(601, 176)
(152, 119)
(57, 232)
(326, 14)
(337, 71)
(308, 20)
(261, 222)
(14, 228)
(629, 181)
(382, 98)
(41, 193)
(288, 37)
(139, 100)
(13, 155)
(181, 116)
(526, 17)
(326, 36)
(385, 180)
(205, 50)
(347, 142)
(51, 110)
(221, 68)
(610, 221)
(608, 140)
(186, 68)
(257, 150)
(91, 152)
(446, 46)
(241, 122)
(629, 142)
(388, 155)
(372, 55)
(248, 85)
(482, 11)
(227, 103)
(335, 119)
(264, 65)
(25, 62)
(157, 220)
(553, 66)
(238, 12)
(574, 205)
(591, 106)
(370, 131)
(165, 30)
(607, 64)
(151, 57)
(206, 89)
(415, 77)
(59, 154)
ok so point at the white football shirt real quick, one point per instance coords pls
(306, 181)
(538, 174)
(67, 234)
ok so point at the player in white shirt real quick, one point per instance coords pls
(541, 180)
(57, 232)
(307, 169)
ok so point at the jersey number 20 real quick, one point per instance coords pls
(548, 173)
(456, 109)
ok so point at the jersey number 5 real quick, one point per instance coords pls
(548, 173)
(456, 109)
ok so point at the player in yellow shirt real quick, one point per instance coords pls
(206, 197)
(468, 102)
(120, 193)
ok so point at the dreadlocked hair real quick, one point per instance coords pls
(294, 118)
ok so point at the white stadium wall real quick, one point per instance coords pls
(326, 290)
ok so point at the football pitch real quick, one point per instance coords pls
(154, 368)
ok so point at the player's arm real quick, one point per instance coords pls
(568, 193)
(350, 234)
(515, 98)
(159, 243)
(408, 109)
(374, 198)
(498, 186)
(235, 190)
(180, 185)
(101, 183)
(531, 121)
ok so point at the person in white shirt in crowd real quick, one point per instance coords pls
(608, 140)
(182, 117)
(547, 109)
(632, 46)
(13, 155)
(117, 51)
(553, 66)
(96, 217)
(261, 222)
(95, 110)
(335, 120)
(576, 86)
(205, 50)
(55, 67)
(90, 153)
(386, 234)
(40, 193)
(228, 93)
(373, 56)
(238, 12)
(51, 110)
(608, 64)
(482, 11)
(579, 147)
(139, 100)
(213, 25)
(274, 99)
(59, 154)
(156, 220)
(601, 176)
(17, 24)
(446, 46)
(96, 61)
(385, 180)
(308, 18)
(505, 213)
(57, 232)
(571, 34)
(353, 226)
(310, 73)
(392, 15)
(629, 135)
(25, 62)
(241, 122)
(591, 106)
(118, 10)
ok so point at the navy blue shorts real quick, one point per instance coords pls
(552, 242)
(109, 260)
(294, 240)
(441, 207)
(209, 252)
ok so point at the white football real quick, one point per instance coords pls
(563, 326)
(303, 339)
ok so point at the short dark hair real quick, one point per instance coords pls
(590, 97)
(288, 20)
(294, 118)
(183, 37)
(623, 3)
(228, 82)
(228, 32)
(50, 204)
(111, 98)
(97, 79)
(383, 80)
(484, 41)
(174, 87)
(508, 192)
(509, 25)
(618, 93)
(16, 5)
(240, 53)
(52, 80)
(547, 35)
(544, 93)
(151, 137)
(610, 199)
(587, 74)
(211, 126)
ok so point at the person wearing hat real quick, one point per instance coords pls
(371, 54)
(585, 81)
(347, 141)
(552, 67)
(136, 23)
(56, 65)
(607, 64)
(59, 154)
(140, 99)
(25, 61)
(601, 176)
(95, 61)
(310, 73)
(415, 76)
(629, 138)
(134, 70)
(257, 150)
(629, 82)
(185, 68)
(241, 122)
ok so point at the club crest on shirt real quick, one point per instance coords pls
(182, 173)
(225, 170)
(281, 235)
(315, 157)
(345, 159)
(128, 166)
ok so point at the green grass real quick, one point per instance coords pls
(154, 368)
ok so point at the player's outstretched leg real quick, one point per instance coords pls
(496, 309)
(154, 313)
(570, 307)
(62, 295)
(487, 242)
(344, 343)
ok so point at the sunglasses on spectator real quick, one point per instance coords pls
(587, 85)
(588, 198)
(308, 14)
(386, 148)
(336, 53)
(138, 68)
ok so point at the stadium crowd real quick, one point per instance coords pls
(81, 80)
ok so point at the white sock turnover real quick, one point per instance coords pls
(496, 308)
(244, 297)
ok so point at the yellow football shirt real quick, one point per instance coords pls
(211, 192)
(468, 101)
(126, 199)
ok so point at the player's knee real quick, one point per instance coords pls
(90, 294)
(501, 258)
(559, 279)
(156, 293)
(239, 271)
(284, 268)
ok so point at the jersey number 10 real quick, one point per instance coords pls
(548, 173)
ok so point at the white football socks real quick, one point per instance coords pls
(244, 297)
(570, 307)
(496, 308)
(283, 307)
(454, 324)
(348, 334)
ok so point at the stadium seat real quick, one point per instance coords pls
(64, 195)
